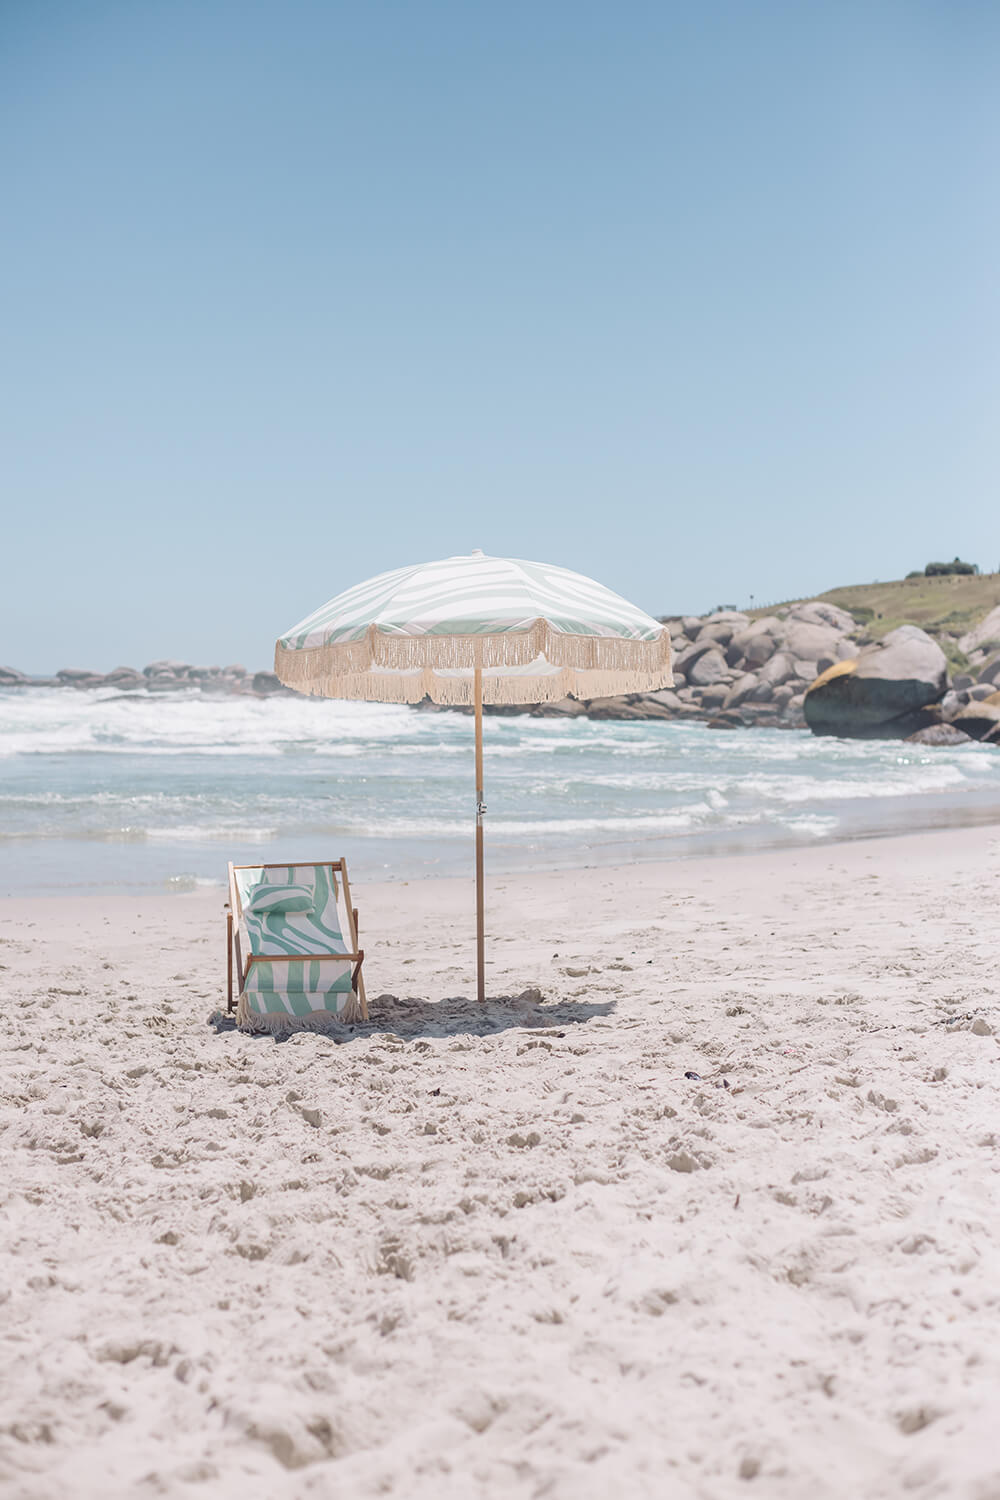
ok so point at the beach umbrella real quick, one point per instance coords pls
(475, 630)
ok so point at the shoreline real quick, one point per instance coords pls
(726, 848)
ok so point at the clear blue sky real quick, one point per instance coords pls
(701, 299)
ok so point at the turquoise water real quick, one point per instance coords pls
(99, 789)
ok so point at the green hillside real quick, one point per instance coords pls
(945, 607)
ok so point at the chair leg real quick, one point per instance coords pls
(229, 962)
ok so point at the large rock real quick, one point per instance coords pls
(709, 668)
(980, 720)
(685, 660)
(778, 669)
(721, 632)
(168, 668)
(952, 703)
(612, 708)
(759, 651)
(561, 708)
(649, 710)
(760, 715)
(991, 672)
(816, 612)
(884, 693)
(982, 634)
(734, 617)
(939, 734)
(740, 690)
(665, 698)
(810, 642)
(10, 676)
(770, 627)
(125, 677)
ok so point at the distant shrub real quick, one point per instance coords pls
(940, 569)
(917, 573)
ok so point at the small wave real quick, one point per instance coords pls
(501, 827)
(183, 884)
(215, 833)
(936, 778)
(814, 825)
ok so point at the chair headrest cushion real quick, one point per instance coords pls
(266, 898)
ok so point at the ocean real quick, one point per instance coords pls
(143, 792)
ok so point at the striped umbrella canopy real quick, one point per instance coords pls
(475, 630)
(536, 631)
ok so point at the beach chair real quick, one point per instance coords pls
(293, 935)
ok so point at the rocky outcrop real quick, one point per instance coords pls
(886, 692)
(75, 675)
(731, 671)
(769, 662)
(158, 677)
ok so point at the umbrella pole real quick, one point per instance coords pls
(480, 809)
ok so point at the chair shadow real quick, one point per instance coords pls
(456, 1015)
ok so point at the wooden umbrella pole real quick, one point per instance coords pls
(480, 809)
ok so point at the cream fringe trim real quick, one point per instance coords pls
(277, 1021)
(408, 667)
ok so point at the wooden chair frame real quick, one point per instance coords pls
(234, 912)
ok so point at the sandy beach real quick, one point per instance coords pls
(712, 1214)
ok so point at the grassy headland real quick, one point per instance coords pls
(945, 607)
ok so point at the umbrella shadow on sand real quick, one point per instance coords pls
(459, 1015)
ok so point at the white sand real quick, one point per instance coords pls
(519, 1255)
